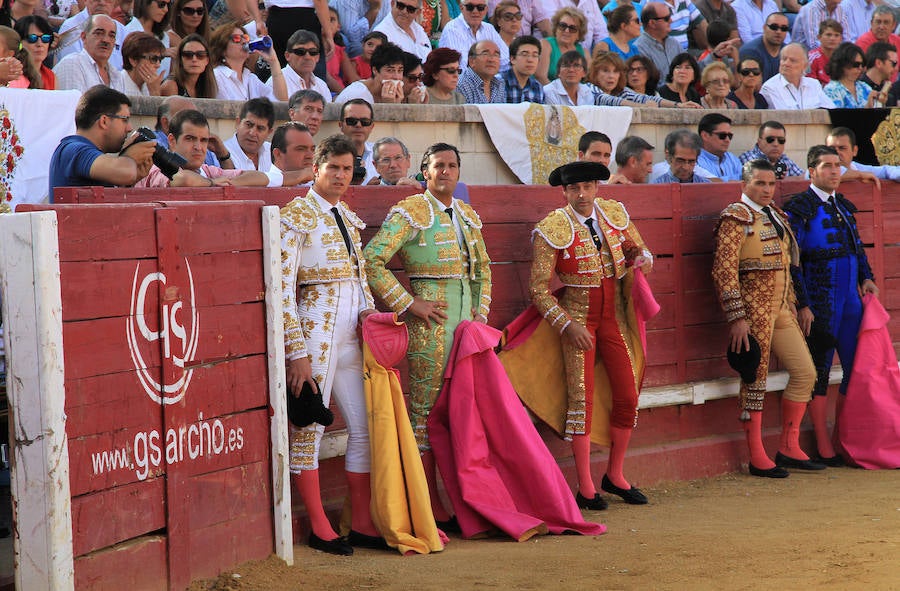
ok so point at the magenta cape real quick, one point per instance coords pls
(869, 425)
(496, 469)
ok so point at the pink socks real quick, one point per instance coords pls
(437, 506)
(791, 416)
(360, 499)
(753, 431)
(620, 438)
(818, 410)
(307, 484)
(581, 449)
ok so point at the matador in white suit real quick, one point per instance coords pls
(326, 296)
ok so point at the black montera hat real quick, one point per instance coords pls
(308, 408)
(578, 172)
(747, 361)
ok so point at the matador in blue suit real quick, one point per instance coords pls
(833, 271)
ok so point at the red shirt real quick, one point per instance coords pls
(817, 63)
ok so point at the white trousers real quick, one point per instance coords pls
(329, 314)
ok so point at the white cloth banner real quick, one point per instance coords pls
(31, 124)
(534, 139)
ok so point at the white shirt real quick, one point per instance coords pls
(781, 94)
(295, 82)
(583, 220)
(418, 44)
(79, 71)
(820, 193)
(368, 158)
(232, 89)
(751, 18)
(132, 89)
(859, 15)
(70, 38)
(596, 22)
(458, 35)
(555, 94)
(354, 90)
(242, 162)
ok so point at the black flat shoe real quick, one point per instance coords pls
(598, 503)
(789, 462)
(834, 461)
(359, 540)
(632, 496)
(451, 526)
(337, 546)
(775, 472)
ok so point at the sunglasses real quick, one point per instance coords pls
(162, 3)
(153, 59)
(512, 16)
(770, 139)
(856, 65)
(666, 18)
(240, 38)
(723, 135)
(456, 71)
(750, 72)
(415, 77)
(301, 51)
(475, 7)
(407, 7)
(200, 55)
(33, 38)
(360, 121)
(782, 28)
(193, 11)
(893, 63)
(567, 27)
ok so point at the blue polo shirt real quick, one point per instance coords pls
(70, 165)
(727, 169)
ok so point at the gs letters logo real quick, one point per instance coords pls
(177, 333)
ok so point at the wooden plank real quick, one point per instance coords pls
(109, 402)
(136, 564)
(206, 227)
(118, 514)
(225, 496)
(249, 538)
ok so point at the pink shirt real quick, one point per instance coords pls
(156, 178)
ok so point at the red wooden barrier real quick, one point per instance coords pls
(165, 301)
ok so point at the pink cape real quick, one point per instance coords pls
(869, 425)
(496, 469)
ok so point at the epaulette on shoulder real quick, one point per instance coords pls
(802, 205)
(299, 215)
(613, 212)
(739, 212)
(556, 229)
(469, 214)
(416, 210)
(846, 203)
(352, 217)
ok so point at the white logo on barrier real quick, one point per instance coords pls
(171, 331)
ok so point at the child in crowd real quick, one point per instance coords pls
(340, 71)
(830, 34)
(10, 67)
(362, 62)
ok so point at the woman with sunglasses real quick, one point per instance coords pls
(187, 17)
(683, 73)
(152, 17)
(229, 50)
(641, 75)
(442, 72)
(607, 76)
(749, 80)
(846, 65)
(37, 36)
(624, 27)
(569, 28)
(507, 19)
(141, 56)
(192, 74)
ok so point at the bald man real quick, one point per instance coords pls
(790, 88)
(216, 155)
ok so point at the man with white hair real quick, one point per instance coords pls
(91, 66)
(790, 88)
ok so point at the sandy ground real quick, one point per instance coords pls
(834, 530)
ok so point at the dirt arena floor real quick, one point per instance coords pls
(834, 530)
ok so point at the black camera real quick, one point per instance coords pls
(359, 171)
(166, 160)
(780, 169)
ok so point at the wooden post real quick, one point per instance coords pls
(281, 480)
(32, 315)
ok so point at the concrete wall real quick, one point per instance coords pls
(421, 125)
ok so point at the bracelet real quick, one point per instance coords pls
(225, 157)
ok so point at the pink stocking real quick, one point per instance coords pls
(307, 484)
(360, 499)
(818, 410)
(791, 416)
(581, 449)
(437, 506)
(620, 437)
(753, 430)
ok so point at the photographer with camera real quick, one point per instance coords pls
(103, 150)
(770, 146)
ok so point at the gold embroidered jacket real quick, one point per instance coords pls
(424, 237)
(313, 253)
(748, 254)
(563, 244)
